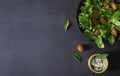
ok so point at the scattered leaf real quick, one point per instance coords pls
(76, 56)
(66, 24)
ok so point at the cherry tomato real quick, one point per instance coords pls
(80, 48)
(94, 21)
(105, 4)
(95, 11)
(114, 32)
(103, 20)
(96, 32)
(113, 5)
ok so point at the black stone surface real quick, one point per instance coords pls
(33, 41)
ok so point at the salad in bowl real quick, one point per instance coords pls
(100, 20)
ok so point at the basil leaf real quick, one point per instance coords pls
(111, 39)
(66, 24)
(76, 56)
(102, 56)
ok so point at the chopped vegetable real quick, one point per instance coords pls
(100, 20)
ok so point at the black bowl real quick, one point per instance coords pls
(79, 11)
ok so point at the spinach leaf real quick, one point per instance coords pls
(111, 39)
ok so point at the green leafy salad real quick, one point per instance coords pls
(100, 20)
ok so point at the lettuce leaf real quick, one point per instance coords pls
(115, 18)
(99, 42)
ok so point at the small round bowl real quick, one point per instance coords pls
(105, 64)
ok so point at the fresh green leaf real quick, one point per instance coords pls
(109, 1)
(83, 9)
(116, 22)
(89, 34)
(116, 16)
(84, 22)
(118, 28)
(118, 6)
(102, 56)
(76, 56)
(87, 3)
(66, 24)
(97, 4)
(111, 39)
(99, 42)
(96, 16)
(104, 31)
(107, 12)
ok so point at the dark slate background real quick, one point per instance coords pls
(33, 41)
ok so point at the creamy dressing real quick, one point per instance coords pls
(97, 64)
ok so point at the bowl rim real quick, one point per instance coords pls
(105, 66)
